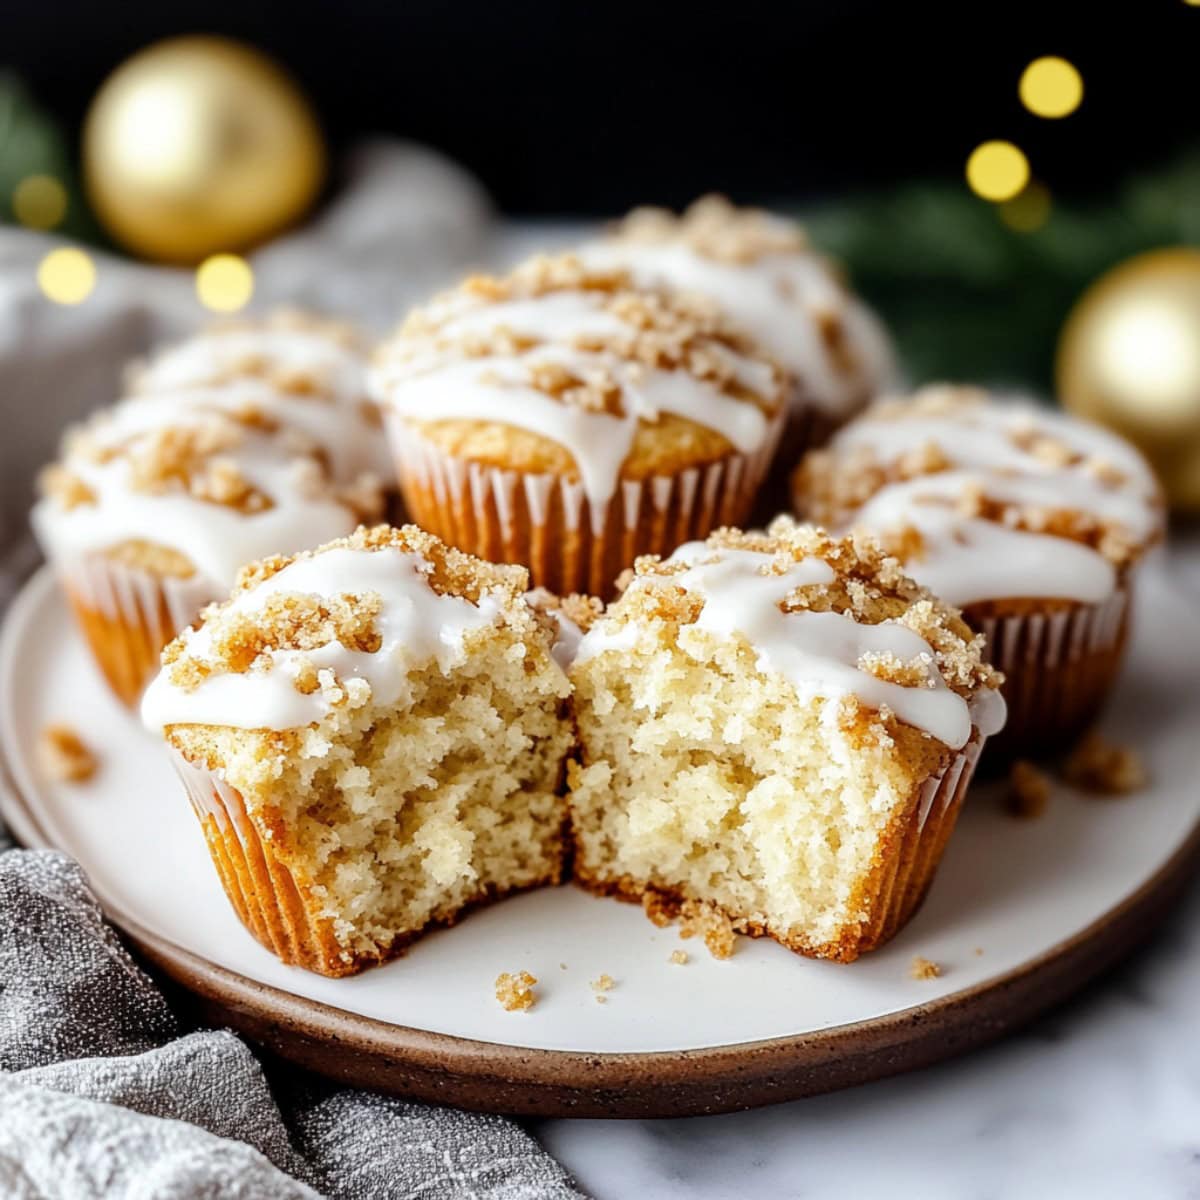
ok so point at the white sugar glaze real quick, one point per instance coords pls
(429, 376)
(335, 410)
(780, 299)
(351, 444)
(967, 559)
(216, 356)
(416, 625)
(567, 637)
(816, 652)
(216, 538)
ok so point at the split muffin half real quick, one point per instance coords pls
(777, 729)
(373, 736)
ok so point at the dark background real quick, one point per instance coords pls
(589, 108)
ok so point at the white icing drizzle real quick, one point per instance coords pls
(352, 446)
(216, 538)
(416, 625)
(213, 363)
(567, 637)
(429, 377)
(779, 299)
(968, 559)
(216, 356)
(816, 652)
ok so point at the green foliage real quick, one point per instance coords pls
(970, 299)
(32, 144)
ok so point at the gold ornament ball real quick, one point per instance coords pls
(198, 145)
(1129, 357)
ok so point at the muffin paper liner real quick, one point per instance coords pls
(1059, 668)
(912, 863)
(127, 616)
(262, 890)
(548, 524)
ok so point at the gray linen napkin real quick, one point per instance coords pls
(103, 1093)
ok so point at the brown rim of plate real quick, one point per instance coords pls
(443, 1069)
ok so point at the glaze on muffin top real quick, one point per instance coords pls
(762, 271)
(563, 369)
(985, 500)
(835, 616)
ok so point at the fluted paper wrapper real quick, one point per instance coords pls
(127, 616)
(918, 844)
(548, 524)
(1059, 669)
(262, 890)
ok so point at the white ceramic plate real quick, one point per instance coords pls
(1008, 892)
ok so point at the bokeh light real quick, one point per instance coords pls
(1028, 210)
(39, 202)
(997, 170)
(67, 275)
(1051, 87)
(224, 283)
(1149, 349)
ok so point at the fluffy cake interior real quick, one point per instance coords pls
(709, 780)
(395, 817)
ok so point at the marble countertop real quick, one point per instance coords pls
(1098, 1099)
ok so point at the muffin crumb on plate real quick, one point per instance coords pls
(1104, 768)
(1028, 790)
(924, 968)
(515, 992)
(65, 756)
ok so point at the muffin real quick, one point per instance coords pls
(563, 419)
(372, 735)
(1031, 521)
(291, 364)
(151, 510)
(764, 274)
(777, 730)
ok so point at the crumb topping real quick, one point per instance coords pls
(716, 229)
(832, 484)
(1104, 768)
(202, 455)
(924, 968)
(241, 641)
(288, 378)
(582, 611)
(516, 992)
(65, 756)
(65, 487)
(678, 957)
(605, 983)
(869, 586)
(192, 458)
(1028, 791)
(661, 331)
